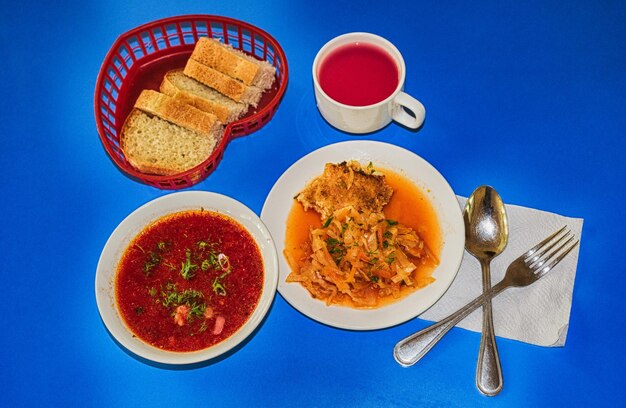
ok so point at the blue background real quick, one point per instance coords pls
(528, 97)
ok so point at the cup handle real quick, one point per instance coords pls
(405, 101)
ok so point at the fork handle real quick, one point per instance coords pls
(411, 349)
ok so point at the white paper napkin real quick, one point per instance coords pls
(536, 314)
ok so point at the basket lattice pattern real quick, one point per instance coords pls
(162, 39)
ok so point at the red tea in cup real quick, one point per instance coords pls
(358, 81)
(358, 74)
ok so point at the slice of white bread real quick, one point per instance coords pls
(178, 112)
(155, 146)
(186, 89)
(231, 87)
(233, 62)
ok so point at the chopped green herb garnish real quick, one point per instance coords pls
(327, 222)
(196, 310)
(172, 298)
(203, 327)
(213, 260)
(153, 261)
(209, 251)
(336, 249)
(187, 268)
(218, 287)
(224, 264)
(154, 257)
(392, 222)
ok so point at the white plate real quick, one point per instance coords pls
(146, 214)
(425, 176)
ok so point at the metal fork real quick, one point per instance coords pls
(523, 271)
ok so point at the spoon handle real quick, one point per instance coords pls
(488, 370)
(411, 349)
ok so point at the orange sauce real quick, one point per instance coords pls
(409, 205)
(299, 223)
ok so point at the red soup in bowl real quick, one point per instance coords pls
(189, 280)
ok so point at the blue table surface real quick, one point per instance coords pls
(528, 97)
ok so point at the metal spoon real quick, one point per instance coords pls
(486, 236)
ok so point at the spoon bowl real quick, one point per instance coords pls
(486, 223)
(486, 236)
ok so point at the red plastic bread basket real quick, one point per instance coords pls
(140, 58)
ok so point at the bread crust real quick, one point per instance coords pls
(224, 113)
(216, 55)
(223, 83)
(177, 112)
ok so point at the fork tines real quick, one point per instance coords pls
(549, 252)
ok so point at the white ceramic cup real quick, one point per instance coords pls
(370, 118)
